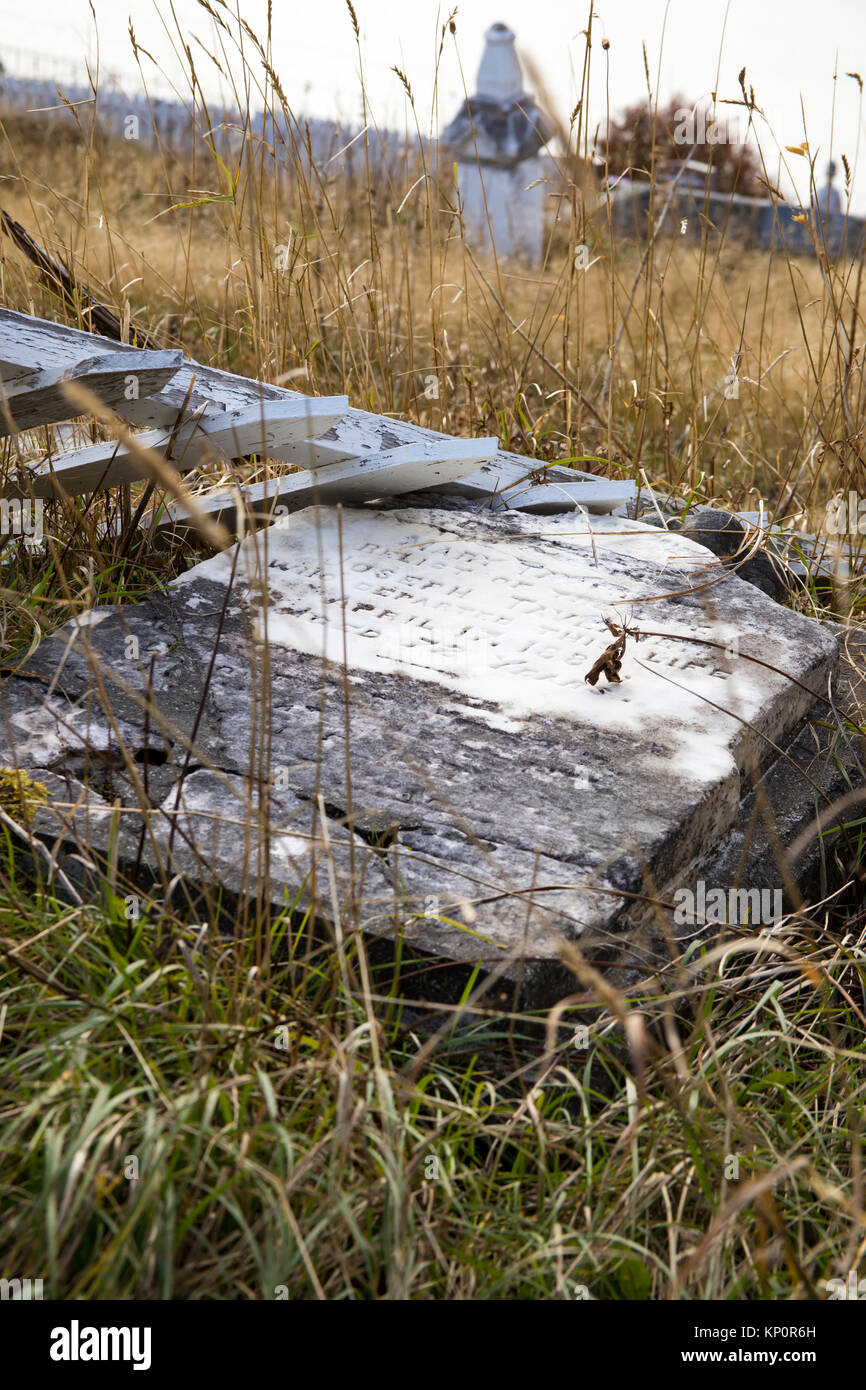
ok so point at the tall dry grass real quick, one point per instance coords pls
(304, 1164)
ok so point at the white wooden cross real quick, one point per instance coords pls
(392, 473)
(274, 429)
(199, 412)
(36, 397)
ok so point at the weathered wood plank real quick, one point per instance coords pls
(555, 495)
(312, 453)
(358, 433)
(270, 428)
(361, 433)
(35, 345)
(38, 398)
(30, 344)
(406, 469)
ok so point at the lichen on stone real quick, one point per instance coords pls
(20, 795)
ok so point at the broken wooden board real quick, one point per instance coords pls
(503, 805)
(396, 471)
(29, 344)
(269, 428)
(554, 494)
(197, 389)
(115, 377)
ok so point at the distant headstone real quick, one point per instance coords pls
(827, 199)
(495, 140)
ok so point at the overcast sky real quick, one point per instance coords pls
(791, 50)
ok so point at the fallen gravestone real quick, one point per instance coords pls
(384, 710)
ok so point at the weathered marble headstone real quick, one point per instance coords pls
(490, 803)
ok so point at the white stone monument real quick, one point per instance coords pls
(495, 141)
